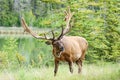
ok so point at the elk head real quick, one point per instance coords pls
(58, 46)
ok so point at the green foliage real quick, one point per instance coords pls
(10, 49)
(97, 21)
(21, 59)
(3, 59)
(52, 1)
(7, 16)
(36, 52)
(41, 56)
(29, 17)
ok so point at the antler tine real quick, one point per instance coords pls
(53, 34)
(61, 33)
(65, 16)
(67, 19)
(24, 25)
(69, 10)
(45, 36)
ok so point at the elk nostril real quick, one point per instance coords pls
(61, 48)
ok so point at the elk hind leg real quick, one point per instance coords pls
(79, 63)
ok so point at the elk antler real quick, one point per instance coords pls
(64, 31)
(30, 32)
(67, 19)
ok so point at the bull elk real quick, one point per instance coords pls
(65, 48)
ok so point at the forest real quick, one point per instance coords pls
(98, 21)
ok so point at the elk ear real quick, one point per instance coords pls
(48, 42)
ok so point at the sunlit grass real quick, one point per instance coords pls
(89, 72)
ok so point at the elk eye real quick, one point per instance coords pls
(54, 44)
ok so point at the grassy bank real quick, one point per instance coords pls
(105, 71)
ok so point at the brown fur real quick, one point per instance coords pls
(74, 51)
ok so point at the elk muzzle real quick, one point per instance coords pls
(57, 52)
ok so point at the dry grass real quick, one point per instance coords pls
(89, 72)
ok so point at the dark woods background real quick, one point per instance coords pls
(96, 20)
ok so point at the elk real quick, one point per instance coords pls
(65, 48)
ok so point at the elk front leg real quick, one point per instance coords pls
(71, 66)
(56, 67)
(79, 63)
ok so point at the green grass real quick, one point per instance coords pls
(102, 71)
